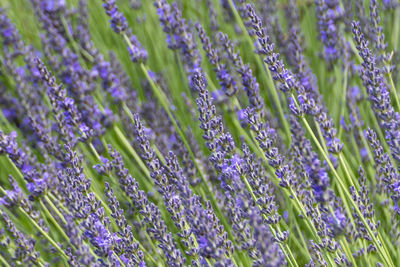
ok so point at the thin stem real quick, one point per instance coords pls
(54, 221)
(94, 151)
(4, 262)
(51, 240)
(54, 208)
(393, 87)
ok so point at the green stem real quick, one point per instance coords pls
(393, 88)
(54, 208)
(54, 221)
(4, 262)
(303, 241)
(51, 240)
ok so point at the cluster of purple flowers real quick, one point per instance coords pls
(329, 13)
(168, 162)
(119, 25)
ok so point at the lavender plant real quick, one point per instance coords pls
(199, 133)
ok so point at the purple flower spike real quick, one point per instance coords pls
(119, 25)
(378, 92)
(226, 81)
(118, 20)
(329, 12)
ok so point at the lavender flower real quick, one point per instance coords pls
(188, 165)
(329, 12)
(214, 25)
(9, 34)
(302, 70)
(37, 183)
(265, 47)
(99, 236)
(288, 83)
(136, 50)
(81, 253)
(227, 83)
(317, 173)
(220, 144)
(263, 191)
(75, 186)
(151, 215)
(386, 172)
(12, 197)
(125, 243)
(179, 35)
(59, 100)
(366, 208)
(24, 246)
(378, 37)
(110, 81)
(249, 82)
(118, 20)
(378, 93)
(192, 209)
(264, 137)
(119, 25)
